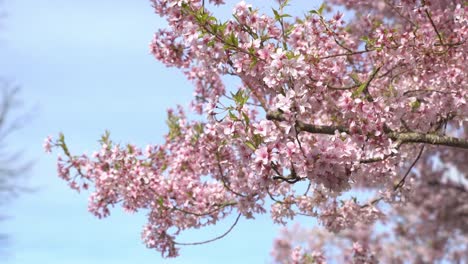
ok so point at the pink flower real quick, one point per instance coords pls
(262, 155)
(48, 144)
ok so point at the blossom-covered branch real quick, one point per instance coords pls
(404, 137)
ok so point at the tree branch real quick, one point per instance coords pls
(213, 239)
(403, 137)
(402, 181)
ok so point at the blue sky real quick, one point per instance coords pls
(84, 67)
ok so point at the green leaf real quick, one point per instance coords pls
(212, 18)
(314, 12)
(290, 55)
(222, 27)
(210, 43)
(174, 127)
(214, 28)
(232, 40)
(246, 118)
(198, 131)
(284, 4)
(355, 77)
(160, 201)
(164, 167)
(392, 90)
(105, 139)
(62, 137)
(130, 149)
(257, 140)
(233, 117)
(254, 62)
(251, 145)
(199, 128)
(321, 8)
(240, 97)
(415, 105)
(360, 89)
(363, 86)
(277, 15)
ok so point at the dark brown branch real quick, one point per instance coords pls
(414, 137)
(328, 130)
(288, 179)
(213, 239)
(403, 137)
(402, 181)
(377, 159)
(334, 35)
(439, 36)
(292, 178)
(428, 91)
(301, 126)
(308, 188)
(271, 195)
(225, 184)
(367, 83)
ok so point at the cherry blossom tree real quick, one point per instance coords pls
(327, 109)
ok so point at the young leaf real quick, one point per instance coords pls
(251, 145)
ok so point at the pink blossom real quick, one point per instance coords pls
(48, 144)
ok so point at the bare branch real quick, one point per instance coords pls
(426, 11)
(213, 239)
(402, 181)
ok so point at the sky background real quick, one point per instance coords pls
(84, 67)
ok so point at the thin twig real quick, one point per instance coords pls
(377, 159)
(223, 179)
(432, 23)
(402, 181)
(213, 239)
(308, 188)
